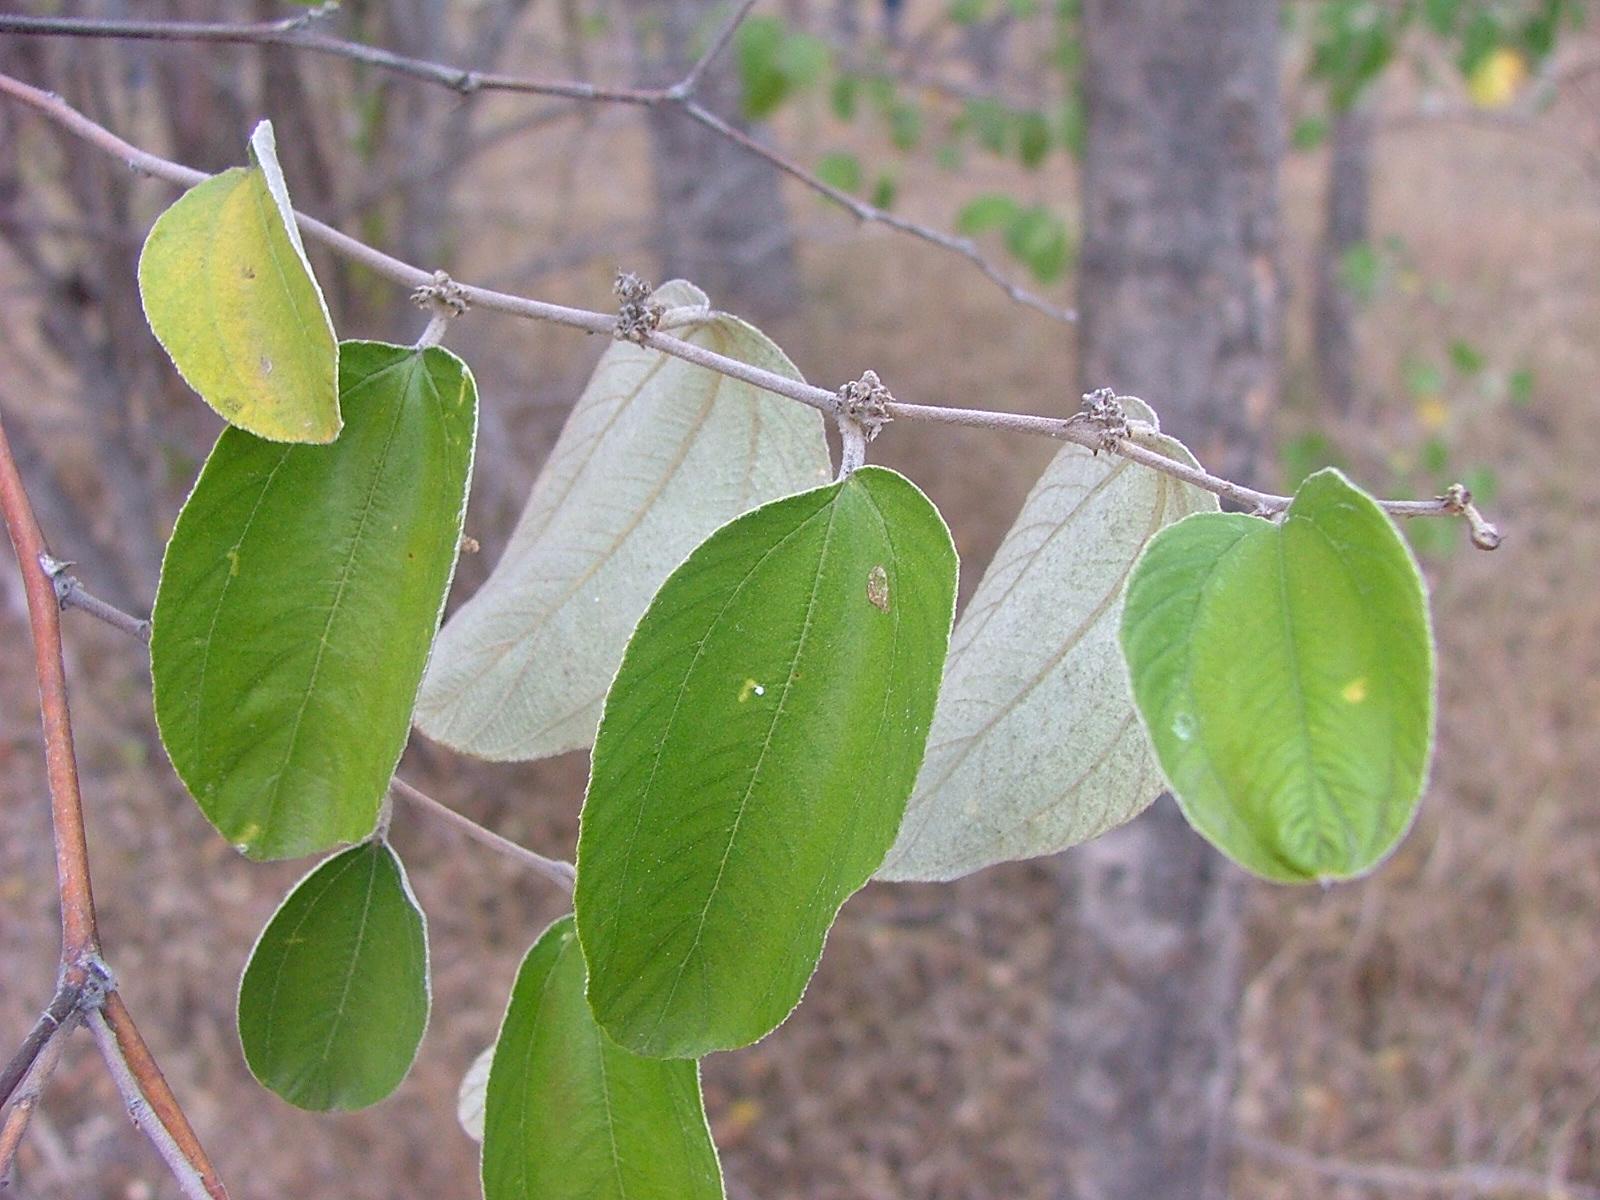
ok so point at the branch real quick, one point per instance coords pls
(1469, 1179)
(44, 1029)
(83, 974)
(467, 82)
(26, 1097)
(143, 1114)
(1069, 429)
(557, 872)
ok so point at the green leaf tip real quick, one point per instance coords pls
(755, 756)
(230, 294)
(1285, 674)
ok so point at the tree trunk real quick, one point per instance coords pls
(1346, 225)
(720, 217)
(1179, 296)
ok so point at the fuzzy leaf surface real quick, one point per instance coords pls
(656, 454)
(1035, 745)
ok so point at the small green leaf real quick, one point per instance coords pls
(757, 46)
(1033, 139)
(754, 759)
(1466, 358)
(570, 1115)
(1039, 239)
(1309, 133)
(841, 170)
(1285, 676)
(905, 125)
(334, 1000)
(884, 191)
(230, 295)
(993, 211)
(299, 597)
(842, 97)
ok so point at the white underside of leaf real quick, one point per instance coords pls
(470, 1097)
(656, 454)
(1035, 744)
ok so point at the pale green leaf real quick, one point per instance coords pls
(570, 1115)
(229, 292)
(655, 456)
(1035, 745)
(754, 760)
(334, 1000)
(298, 598)
(1285, 674)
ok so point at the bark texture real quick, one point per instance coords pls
(1179, 295)
(720, 217)
(1347, 204)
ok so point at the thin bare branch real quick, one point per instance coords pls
(61, 1007)
(80, 940)
(1468, 1179)
(71, 593)
(31, 1086)
(1070, 429)
(686, 86)
(468, 82)
(557, 872)
(141, 1112)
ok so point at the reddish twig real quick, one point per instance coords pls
(82, 972)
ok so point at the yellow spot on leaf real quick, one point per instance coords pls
(1355, 691)
(233, 561)
(751, 688)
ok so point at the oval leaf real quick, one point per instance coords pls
(334, 1000)
(570, 1115)
(299, 594)
(655, 456)
(755, 757)
(1285, 674)
(229, 292)
(1035, 745)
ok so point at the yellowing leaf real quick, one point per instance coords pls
(1494, 82)
(230, 295)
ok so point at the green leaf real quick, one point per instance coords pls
(656, 454)
(1309, 133)
(1033, 139)
(1285, 675)
(841, 170)
(884, 191)
(842, 97)
(334, 1000)
(754, 760)
(1035, 745)
(230, 295)
(1466, 358)
(905, 125)
(994, 211)
(757, 46)
(570, 1115)
(299, 596)
(804, 59)
(1039, 239)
